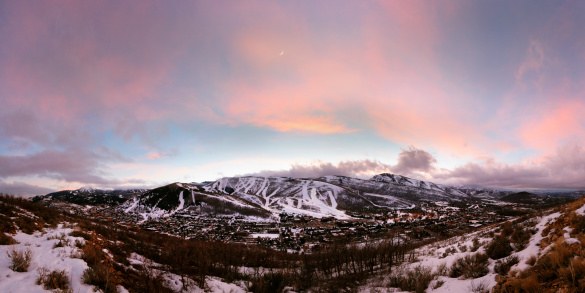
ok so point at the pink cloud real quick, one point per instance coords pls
(561, 121)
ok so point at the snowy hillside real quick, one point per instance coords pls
(263, 197)
(535, 254)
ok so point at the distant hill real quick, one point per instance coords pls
(91, 196)
(523, 197)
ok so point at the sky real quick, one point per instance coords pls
(125, 94)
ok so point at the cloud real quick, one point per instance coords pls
(533, 61)
(358, 168)
(565, 169)
(414, 160)
(21, 188)
(410, 161)
(75, 165)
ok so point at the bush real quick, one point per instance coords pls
(503, 266)
(20, 260)
(481, 287)
(55, 279)
(271, 282)
(520, 237)
(6, 240)
(476, 245)
(499, 247)
(574, 273)
(81, 234)
(416, 279)
(506, 229)
(531, 260)
(470, 266)
(101, 276)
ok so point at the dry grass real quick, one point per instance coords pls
(20, 260)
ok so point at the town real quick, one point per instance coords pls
(296, 233)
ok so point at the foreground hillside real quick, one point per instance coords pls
(52, 250)
(535, 253)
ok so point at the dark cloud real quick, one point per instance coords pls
(359, 168)
(74, 165)
(21, 188)
(414, 160)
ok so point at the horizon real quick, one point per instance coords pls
(120, 94)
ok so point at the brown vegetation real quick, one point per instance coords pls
(20, 260)
(56, 279)
(562, 267)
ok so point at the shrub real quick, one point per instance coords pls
(55, 279)
(506, 229)
(92, 254)
(470, 266)
(449, 251)
(100, 276)
(6, 224)
(20, 260)
(6, 240)
(476, 245)
(499, 247)
(531, 284)
(59, 244)
(531, 260)
(271, 282)
(574, 272)
(416, 279)
(438, 284)
(578, 224)
(481, 287)
(81, 234)
(503, 266)
(148, 279)
(520, 237)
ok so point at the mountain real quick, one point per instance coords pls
(396, 186)
(91, 196)
(337, 196)
(257, 197)
(182, 197)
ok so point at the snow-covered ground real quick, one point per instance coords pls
(64, 258)
(44, 255)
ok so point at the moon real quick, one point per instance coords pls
(281, 53)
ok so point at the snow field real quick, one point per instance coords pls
(44, 255)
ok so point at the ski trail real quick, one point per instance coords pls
(332, 199)
(264, 185)
(250, 182)
(181, 201)
(305, 190)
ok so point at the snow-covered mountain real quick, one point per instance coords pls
(337, 196)
(183, 197)
(266, 197)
